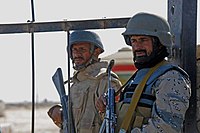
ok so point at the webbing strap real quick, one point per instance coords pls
(135, 99)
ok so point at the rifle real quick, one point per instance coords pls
(59, 84)
(109, 121)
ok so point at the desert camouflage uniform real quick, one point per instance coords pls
(169, 99)
(88, 84)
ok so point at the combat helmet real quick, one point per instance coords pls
(84, 36)
(148, 24)
(79, 36)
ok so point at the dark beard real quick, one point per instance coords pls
(140, 59)
(153, 59)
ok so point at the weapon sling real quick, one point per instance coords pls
(135, 99)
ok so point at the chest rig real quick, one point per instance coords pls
(143, 110)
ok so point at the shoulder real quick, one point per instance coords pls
(174, 71)
(175, 82)
(167, 70)
(102, 68)
(172, 77)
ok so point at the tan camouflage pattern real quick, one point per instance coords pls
(172, 92)
(88, 84)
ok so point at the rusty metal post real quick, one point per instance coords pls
(182, 16)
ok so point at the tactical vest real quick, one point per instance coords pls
(144, 106)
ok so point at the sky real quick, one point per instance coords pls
(50, 48)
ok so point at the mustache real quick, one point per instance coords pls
(78, 58)
(141, 50)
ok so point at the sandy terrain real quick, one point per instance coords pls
(18, 117)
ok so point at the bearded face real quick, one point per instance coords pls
(142, 47)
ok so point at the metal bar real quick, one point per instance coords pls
(182, 16)
(70, 121)
(33, 83)
(63, 25)
(33, 70)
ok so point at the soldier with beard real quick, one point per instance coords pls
(156, 97)
(165, 89)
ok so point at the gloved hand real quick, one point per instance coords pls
(55, 113)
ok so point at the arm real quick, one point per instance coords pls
(172, 93)
(102, 89)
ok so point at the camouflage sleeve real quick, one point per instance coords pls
(103, 84)
(172, 92)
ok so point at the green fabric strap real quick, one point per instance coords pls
(135, 98)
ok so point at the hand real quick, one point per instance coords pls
(55, 113)
(101, 104)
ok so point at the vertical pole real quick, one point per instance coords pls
(182, 16)
(32, 11)
(33, 84)
(33, 69)
(70, 121)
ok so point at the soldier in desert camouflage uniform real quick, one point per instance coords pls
(165, 98)
(89, 82)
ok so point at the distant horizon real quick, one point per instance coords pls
(30, 102)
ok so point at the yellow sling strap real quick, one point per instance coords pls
(135, 98)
